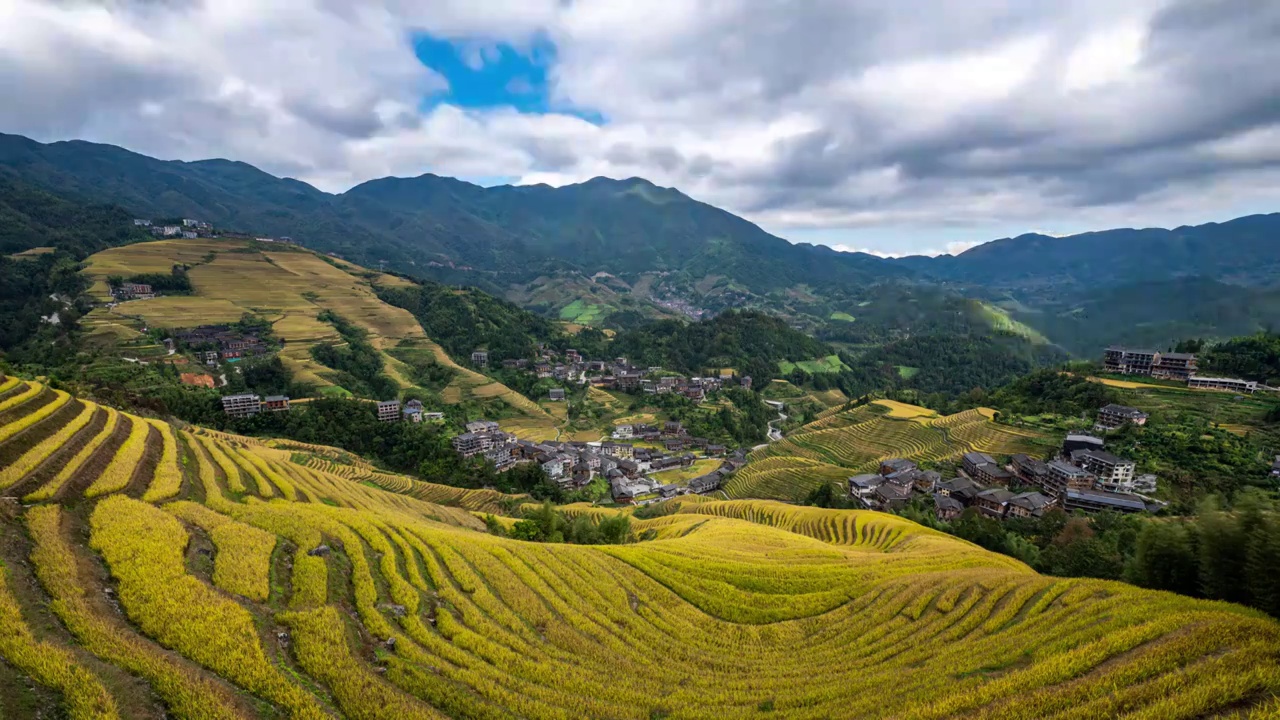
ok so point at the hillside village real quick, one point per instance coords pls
(632, 472)
(571, 368)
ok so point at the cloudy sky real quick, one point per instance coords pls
(893, 127)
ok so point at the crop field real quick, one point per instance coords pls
(584, 313)
(287, 287)
(828, 364)
(845, 443)
(286, 580)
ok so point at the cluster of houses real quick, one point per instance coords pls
(1169, 366)
(412, 411)
(212, 343)
(671, 434)
(618, 374)
(1084, 476)
(246, 404)
(189, 229)
(573, 465)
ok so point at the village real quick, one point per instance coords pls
(618, 374)
(631, 470)
(1082, 476)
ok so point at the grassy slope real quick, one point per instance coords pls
(288, 287)
(834, 606)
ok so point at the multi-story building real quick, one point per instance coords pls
(994, 502)
(984, 469)
(1030, 470)
(471, 443)
(1028, 505)
(864, 487)
(1128, 362)
(242, 405)
(1235, 385)
(1174, 366)
(389, 410)
(555, 394)
(413, 411)
(1113, 416)
(1065, 476)
(1112, 473)
(480, 358)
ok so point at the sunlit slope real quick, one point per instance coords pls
(290, 287)
(846, 442)
(229, 606)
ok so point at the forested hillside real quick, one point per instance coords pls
(752, 343)
(42, 240)
(465, 319)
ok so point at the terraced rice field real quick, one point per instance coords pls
(289, 288)
(738, 609)
(845, 443)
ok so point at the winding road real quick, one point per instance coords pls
(775, 430)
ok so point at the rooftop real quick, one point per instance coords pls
(1103, 456)
(1122, 410)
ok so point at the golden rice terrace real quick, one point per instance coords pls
(154, 571)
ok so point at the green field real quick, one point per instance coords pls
(584, 313)
(906, 372)
(842, 316)
(828, 364)
(1000, 321)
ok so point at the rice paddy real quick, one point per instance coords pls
(329, 589)
(844, 443)
(289, 287)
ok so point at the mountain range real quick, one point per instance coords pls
(631, 249)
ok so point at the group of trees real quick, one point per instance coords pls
(753, 343)
(464, 319)
(69, 232)
(174, 282)
(1253, 357)
(1051, 390)
(358, 364)
(742, 420)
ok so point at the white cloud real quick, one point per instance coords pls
(823, 114)
(870, 251)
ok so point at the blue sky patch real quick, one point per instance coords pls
(486, 74)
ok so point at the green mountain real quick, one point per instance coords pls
(623, 252)
(1241, 251)
(440, 226)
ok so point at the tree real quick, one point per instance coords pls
(1166, 559)
(1223, 546)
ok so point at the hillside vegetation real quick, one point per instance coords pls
(308, 299)
(847, 442)
(250, 585)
